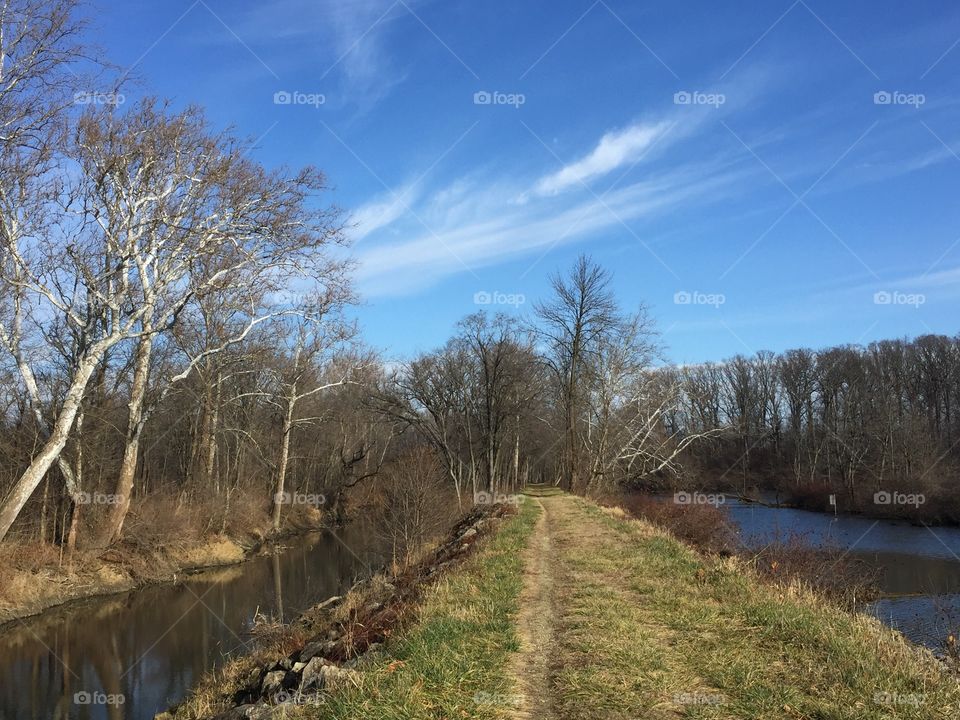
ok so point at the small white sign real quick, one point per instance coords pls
(833, 499)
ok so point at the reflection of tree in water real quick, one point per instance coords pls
(151, 645)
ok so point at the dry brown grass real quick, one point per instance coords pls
(164, 535)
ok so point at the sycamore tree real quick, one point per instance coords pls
(157, 213)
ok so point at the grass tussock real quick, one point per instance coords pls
(788, 560)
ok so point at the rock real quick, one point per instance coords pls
(298, 667)
(260, 712)
(255, 677)
(247, 712)
(469, 533)
(330, 603)
(311, 650)
(334, 677)
(312, 677)
(273, 682)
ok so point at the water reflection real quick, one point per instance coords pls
(148, 647)
(919, 567)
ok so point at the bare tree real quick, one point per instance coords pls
(308, 370)
(168, 212)
(573, 324)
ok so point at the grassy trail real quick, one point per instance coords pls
(573, 611)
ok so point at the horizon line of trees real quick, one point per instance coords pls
(854, 419)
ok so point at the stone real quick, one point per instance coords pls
(255, 677)
(469, 533)
(311, 650)
(330, 603)
(312, 676)
(260, 712)
(247, 712)
(273, 682)
(298, 667)
(334, 677)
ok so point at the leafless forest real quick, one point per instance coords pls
(178, 350)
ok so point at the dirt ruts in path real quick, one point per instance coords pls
(535, 625)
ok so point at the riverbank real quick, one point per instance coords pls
(48, 580)
(575, 611)
(333, 644)
(932, 508)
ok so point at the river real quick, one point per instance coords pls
(130, 656)
(919, 567)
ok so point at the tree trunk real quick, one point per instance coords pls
(278, 496)
(42, 461)
(123, 491)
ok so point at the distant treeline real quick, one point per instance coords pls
(851, 421)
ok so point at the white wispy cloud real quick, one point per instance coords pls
(346, 42)
(382, 211)
(615, 149)
(434, 249)
(477, 220)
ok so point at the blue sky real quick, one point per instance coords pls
(763, 175)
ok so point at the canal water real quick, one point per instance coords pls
(130, 656)
(918, 567)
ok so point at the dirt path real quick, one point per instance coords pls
(535, 625)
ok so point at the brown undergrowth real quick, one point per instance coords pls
(164, 537)
(829, 571)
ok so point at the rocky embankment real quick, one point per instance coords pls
(345, 630)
